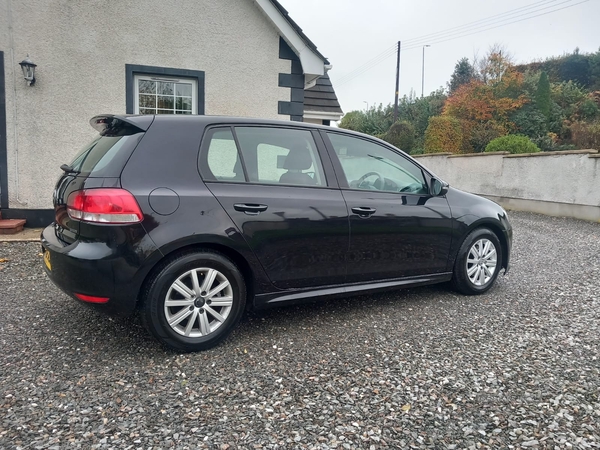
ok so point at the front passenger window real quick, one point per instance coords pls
(370, 166)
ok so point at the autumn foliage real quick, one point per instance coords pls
(444, 134)
(473, 106)
(554, 103)
(479, 102)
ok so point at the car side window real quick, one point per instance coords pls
(280, 156)
(370, 166)
(222, 156)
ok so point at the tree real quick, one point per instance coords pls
(576, 67)
(483, 133)
(401, 135)
(542, 95)
(417, 111)
(477, 101)
(463, 73)
(375, 121)
(493, 65)
(444, 134)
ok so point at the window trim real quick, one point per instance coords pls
(131, 70)
(341, 176)
(330, 178)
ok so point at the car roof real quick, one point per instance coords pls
(144, 121)
(209, 120)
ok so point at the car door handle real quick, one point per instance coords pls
(363, 211)
(251, 209)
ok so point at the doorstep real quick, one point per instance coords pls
(11, 226)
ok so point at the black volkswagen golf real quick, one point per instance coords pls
(189, 219)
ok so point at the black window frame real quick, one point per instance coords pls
(329, 175)
(131, 70)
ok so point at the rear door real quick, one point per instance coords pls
(283, 198)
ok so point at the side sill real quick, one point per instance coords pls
(273, 300)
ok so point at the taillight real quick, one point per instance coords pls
(104, 206)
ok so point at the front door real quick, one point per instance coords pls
(396, 228)
(274, 187)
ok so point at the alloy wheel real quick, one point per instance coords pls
(481, 262)
(198, 302)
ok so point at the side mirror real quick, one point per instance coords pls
(438, 187)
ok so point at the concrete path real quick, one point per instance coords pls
(27, 235)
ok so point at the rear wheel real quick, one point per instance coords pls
(194, 301)
(478, 262)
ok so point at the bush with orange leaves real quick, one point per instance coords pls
(479, 102)
(443, 134)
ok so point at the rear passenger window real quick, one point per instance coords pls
(222, 156)
(280, 156)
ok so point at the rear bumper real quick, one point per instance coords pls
(96, 269)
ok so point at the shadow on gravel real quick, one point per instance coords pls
(120, 337)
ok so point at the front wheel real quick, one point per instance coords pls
(478, 262)
(194, 301)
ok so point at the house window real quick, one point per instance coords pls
(165, 96)
(163, 90)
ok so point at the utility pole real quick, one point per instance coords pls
(423, 72)
(397, 83)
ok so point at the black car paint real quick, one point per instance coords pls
(115, 260)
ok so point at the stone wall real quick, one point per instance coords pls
(554, 183)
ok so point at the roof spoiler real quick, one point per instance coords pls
(106, 121)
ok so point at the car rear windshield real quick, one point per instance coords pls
(106, 155)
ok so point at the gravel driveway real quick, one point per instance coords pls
(518, 367)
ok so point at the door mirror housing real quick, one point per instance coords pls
(438, 187)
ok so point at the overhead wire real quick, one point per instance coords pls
(412, 43)
(425, 39)
(482, 22)
(391, 50)
(501, 25)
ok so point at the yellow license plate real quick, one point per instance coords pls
(47, 260)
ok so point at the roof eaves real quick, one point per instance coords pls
(298, 30)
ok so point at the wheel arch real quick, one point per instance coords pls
(493, 226)
(471, 223)
(172, 252)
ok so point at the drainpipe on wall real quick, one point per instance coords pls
(15, 110)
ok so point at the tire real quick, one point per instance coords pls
(189, 316)
(471, 275)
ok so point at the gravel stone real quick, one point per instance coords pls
(422, 368)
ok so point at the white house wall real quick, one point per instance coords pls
(81, 49)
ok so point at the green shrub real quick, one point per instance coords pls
(588, 110)
(512, 143)
(401, 135)
(546, 143)
(443, 134)
(417, 151)
(529, 121)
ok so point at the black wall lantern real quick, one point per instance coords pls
(28, 70)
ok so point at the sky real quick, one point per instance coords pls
(351, 33)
